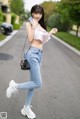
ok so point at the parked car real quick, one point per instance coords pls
(6, 28)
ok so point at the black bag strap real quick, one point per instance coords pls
(25, 42)
(23, 48)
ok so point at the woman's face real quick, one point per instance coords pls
(37, 16)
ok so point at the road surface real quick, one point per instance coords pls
(59, 97)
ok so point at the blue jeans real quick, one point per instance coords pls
(34, 56)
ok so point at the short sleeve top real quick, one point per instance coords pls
(41, 34)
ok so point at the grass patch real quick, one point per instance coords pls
(2, 37)
(70, 39)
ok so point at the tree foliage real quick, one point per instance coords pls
(55, 21)
(17, 6)
(70, 10)
(49, 9)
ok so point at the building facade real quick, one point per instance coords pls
(5, 8)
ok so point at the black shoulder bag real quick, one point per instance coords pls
(24, 64)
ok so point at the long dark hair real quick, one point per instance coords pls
(39, 9)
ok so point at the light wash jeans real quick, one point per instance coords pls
(34, 56)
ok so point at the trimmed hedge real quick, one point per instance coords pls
(16, 26)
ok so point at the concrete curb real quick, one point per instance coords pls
(8, 38)
(67, 45)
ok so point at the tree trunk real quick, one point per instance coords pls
(77, 30)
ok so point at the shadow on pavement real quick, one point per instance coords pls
(4, 56)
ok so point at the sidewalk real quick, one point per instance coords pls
(74, 33)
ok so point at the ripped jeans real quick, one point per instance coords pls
(34, 56)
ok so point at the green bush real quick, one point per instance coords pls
(1, 17)
(13, 18)
(56, 21)
(16, 26)
(4, 18)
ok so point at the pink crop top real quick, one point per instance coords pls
(41, 34)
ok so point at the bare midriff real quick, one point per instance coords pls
(37, 44)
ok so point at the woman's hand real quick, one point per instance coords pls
(53, 31)
(34, 23)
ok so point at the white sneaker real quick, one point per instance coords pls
(26, 111)
(11, 89)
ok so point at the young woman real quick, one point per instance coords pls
(37, 36)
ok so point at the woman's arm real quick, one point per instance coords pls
(30, 31)
(53, 31)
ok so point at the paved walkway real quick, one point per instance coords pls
(74, 33)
